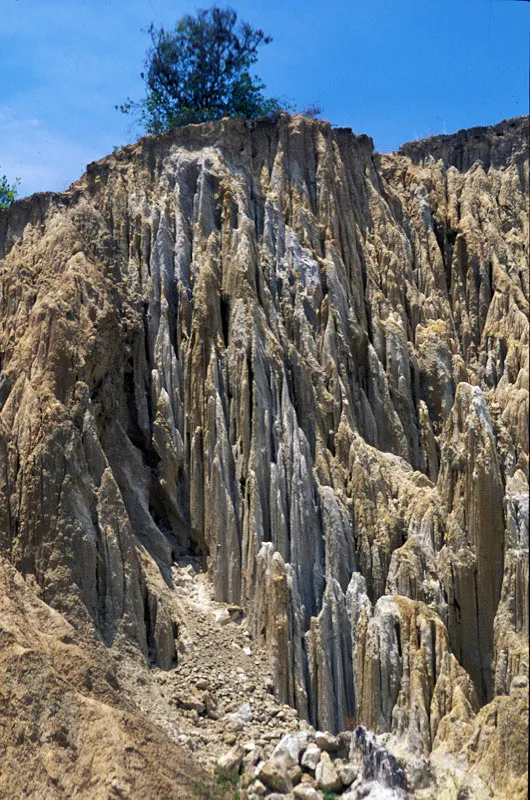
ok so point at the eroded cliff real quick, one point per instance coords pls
(270, 347)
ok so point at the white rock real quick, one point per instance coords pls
(305, 792)
(242, 715)
(326, 775)
(311, 756)
(222, 617)
(230, 762)
(288, 749)
(348, 774)
(418, 773)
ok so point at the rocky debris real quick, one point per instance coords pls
(190, 702)
(370, 770)
(78, 736)
(255, 739)
(220, 692)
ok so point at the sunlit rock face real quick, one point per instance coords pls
(307, 362)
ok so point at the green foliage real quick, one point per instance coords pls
(200, 71)
(8, 192)
(330, 796)
(225, 787)
(227, 780)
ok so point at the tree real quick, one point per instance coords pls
(8, 192)
(201, 71)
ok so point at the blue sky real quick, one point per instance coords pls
(397, 70)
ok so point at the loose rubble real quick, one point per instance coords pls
(221, 706)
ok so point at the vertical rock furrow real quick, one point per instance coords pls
(306, 362)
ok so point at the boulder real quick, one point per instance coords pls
(230, 762)
(289, 748)
(326, 741)
(222, 617)
(295, 774)
(274, 776)
(311, 757)
(305, 792)
(327, 777)
(347, 774)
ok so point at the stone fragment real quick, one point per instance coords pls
(326, 741)
(326, 775)
(190, 702)
(311, 757)
(222, 617)
(242, 717)
(348, 773)
(295, 774)
(274, 776)
(344, 743)
(235, 612)
(251, 759)
(305, 792)
(289, 748)
(230, 762)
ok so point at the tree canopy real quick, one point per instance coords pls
(200, 71)
(8, 192)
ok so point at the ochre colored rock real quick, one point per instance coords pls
(307, 363)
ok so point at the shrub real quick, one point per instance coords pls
(8, 192)
(200, 71)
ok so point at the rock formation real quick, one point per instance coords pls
(267, 346)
